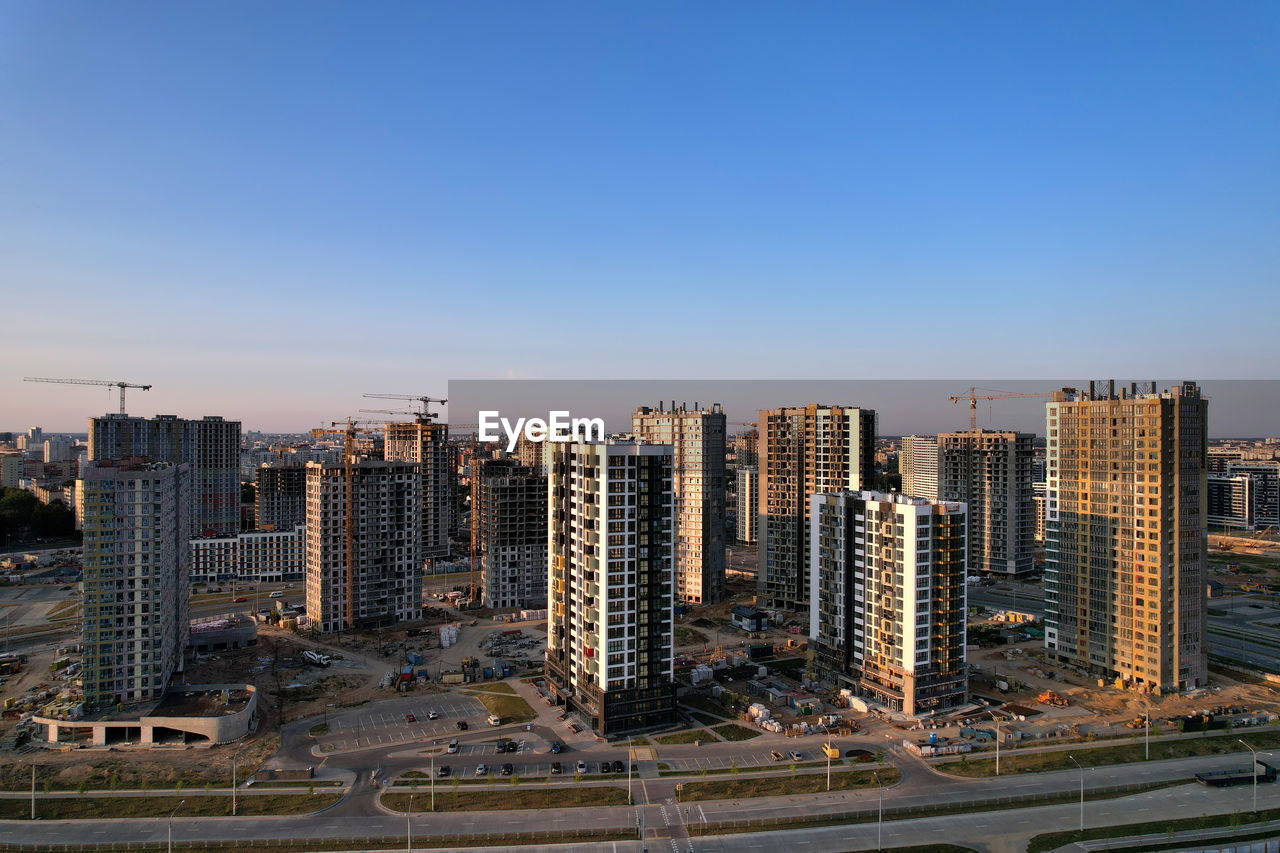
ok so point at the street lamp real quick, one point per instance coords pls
(879, 811)
(1254, 772)
(629, 759)
(1078, 764)
(408, 826)
(234, 756)
(171, 814)
(996, 720)
(827, 749)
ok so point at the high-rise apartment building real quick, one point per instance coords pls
(1265, 485)
(918, 464)
(509, 501)
(611, 583)
(990, 472)
(135, 581)
(426, 443)
(746, 449)
(1039, 511)
(804, 451)
(748, 503)
(888, 614)
(210, 445)
(371, 576)
(1127, 542)
(282, 496)
(1231, 501)
(697, 439)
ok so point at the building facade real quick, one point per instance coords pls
(282, 496)
(509, 502)
(211, 446)
(697, 439)
(1127, 533)
(888, 616)
(260, 556)
(804, 451)
(1231, 501)
(748, 504)
(1265, 485)
(370, 574)
(990, 472)
(610, 539)
(426, 444)
(135, 581)
(918, 464)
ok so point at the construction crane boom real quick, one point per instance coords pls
(424, 401)
(973, 398)
(101, 382)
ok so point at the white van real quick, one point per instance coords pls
(276, 594)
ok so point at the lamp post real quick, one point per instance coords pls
(879, 811)
(33, 790)
(171, 814)
(1254, 772)
(408, 826)
(433, 783)
(1078, 764)
(996, 720)
(827, 750)
(234, 756)
(1148, 742)
(629, 759)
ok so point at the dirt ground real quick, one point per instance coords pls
(1102, 705)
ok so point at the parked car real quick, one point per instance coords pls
(433, 715)
(508, 769)
(556, 769)
(410, 718)
(775, 755)
(795, 756)
(443, 771)
(453, 746)
(462, 725)
(557, 747)
(582, 767)
(512, 746)
(482, 770)
(618, 767)
(604, 767)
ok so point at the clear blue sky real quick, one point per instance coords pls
(266, 209)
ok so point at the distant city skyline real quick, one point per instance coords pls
(1239, 408)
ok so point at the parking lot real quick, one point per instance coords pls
(386, 725)
(757, 758)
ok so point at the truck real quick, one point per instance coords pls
(1260, 772)
(830, 750)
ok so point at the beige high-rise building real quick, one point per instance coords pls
(990, 470)
(697, 437)
(1127, 533)
(804, 451)
(426, 443)
(918, 464)
(378, 582)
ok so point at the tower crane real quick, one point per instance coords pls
(973, 398)
(348, 429)
(413, 398)
(107, 383)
